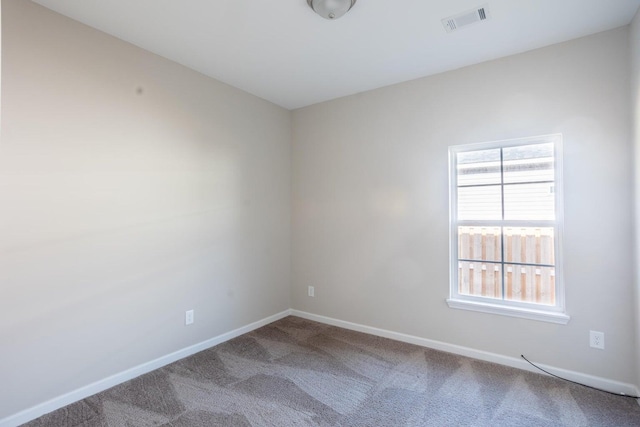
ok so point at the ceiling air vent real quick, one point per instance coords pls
(461, 20)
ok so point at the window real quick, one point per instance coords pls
(506, 223)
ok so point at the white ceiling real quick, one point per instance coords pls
(280, 50)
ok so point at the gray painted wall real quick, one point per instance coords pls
(370, 201)
(120, 210)
(634, 45)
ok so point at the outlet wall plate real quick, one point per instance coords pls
(312, 291)
(596, 339)
(188, 317)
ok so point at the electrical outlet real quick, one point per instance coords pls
(312, 291)
(596, 339)
(188, 317)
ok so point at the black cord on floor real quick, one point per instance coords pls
(583, 385)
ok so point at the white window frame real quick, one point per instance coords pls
(547, 313)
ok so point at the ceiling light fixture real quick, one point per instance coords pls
(331, 9)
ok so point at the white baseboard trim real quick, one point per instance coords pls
(101, 385)
(514, 362)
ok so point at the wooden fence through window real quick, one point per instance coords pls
(483, 276)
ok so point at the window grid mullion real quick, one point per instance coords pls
(504, 277)
(507, 183)
(485, 261)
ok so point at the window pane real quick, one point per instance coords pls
(533, 245)
(530, 284)
(480, 279)
(478, 167)
(480, 243)
(529, 202)
(528, 163)
(478, 203)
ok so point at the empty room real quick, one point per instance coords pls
(319, 213)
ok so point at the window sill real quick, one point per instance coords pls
(524, 313)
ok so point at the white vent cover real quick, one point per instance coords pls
(464, 19)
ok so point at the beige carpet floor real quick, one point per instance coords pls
(295, 372)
